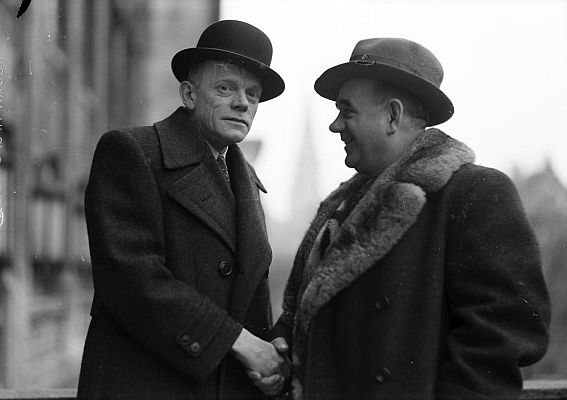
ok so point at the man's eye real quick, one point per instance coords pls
(254, 94)
(224, 88)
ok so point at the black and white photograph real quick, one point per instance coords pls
(283, 199)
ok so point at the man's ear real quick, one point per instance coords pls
(395, 111)
(187, 94)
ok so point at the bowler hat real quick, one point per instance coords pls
(401, 62)
(238, 42)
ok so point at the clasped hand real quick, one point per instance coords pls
(267, 363)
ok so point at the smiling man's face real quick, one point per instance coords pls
(225, 100)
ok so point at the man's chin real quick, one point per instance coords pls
(349, 162)
(234, 136)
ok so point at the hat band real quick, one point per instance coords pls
(367, 60)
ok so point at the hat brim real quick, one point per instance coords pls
(438, 105)
(272, 84)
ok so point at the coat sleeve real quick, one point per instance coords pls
(164, 315)
(498, 303)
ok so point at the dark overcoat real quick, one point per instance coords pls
(180, 265)
(431, 288)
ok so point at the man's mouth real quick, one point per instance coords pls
(347, 140)
(239, 120)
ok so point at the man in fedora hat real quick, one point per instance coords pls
(178, 240)
(419, 277)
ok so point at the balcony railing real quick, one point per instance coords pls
(537, 389)
(40, 394)
(545, 390)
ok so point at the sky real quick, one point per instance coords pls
(505, 66)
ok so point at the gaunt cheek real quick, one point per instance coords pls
(214, 113)
(252, 112)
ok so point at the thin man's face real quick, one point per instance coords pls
(226, 100)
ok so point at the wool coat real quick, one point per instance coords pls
(424, 283)
(180, 264)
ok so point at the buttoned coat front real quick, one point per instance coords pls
(180, 264)
(431, 288)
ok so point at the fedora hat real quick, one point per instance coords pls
(401, 62)
(238, 42)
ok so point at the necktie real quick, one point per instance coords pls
(223, 167)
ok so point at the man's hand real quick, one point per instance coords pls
(273, 384)
(269, 385)
(282, 348)
(260, 356)
(281, 345)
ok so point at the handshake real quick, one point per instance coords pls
(267, 363)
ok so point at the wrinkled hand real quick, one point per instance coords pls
(260, 356)
(281, 345)
(272, 385)
(282, 348)
(269, 385)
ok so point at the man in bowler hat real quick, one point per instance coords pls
(419, 277)
(178, 240)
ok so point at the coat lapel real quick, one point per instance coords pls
(198, 192)
(379, 220)
(254, 252)
(199, 185)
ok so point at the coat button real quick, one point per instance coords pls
(383, 375)
(382, 304)
(225, 268)
(184, 340)
(195, 348)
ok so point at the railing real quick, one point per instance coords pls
(545, 390)
(537, 389)
(40, 394)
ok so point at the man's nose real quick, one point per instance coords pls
(337, 125)
(240, 101)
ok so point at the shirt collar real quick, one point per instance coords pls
(217, 153)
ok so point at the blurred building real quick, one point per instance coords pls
(69, 71)
(285, 236)
(545, 201)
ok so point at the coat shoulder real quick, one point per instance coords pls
(472, 178)
(144, 137)
(473, 173)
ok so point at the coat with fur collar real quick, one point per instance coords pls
(431, 288)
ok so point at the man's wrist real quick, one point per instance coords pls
(241, 343)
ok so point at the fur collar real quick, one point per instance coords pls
(388, 209)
